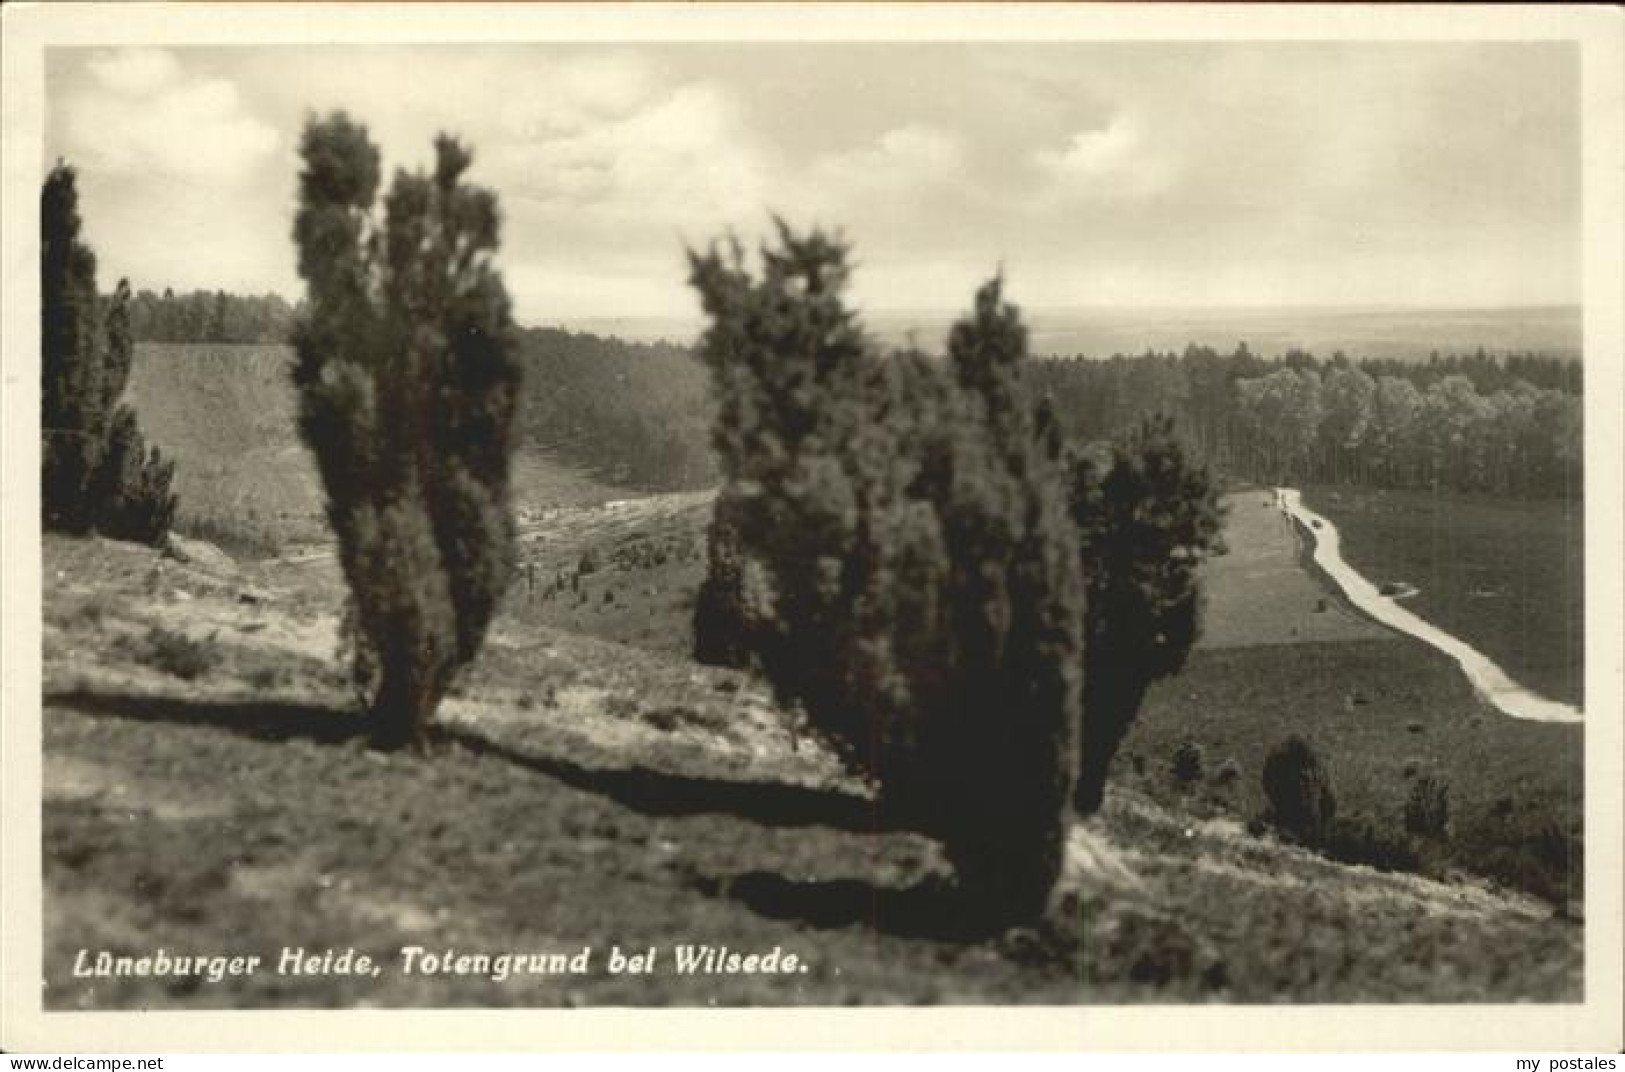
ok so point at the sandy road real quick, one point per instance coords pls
(1490, 680)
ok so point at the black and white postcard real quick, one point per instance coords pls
(822, 526)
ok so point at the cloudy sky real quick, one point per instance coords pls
(1158, 174)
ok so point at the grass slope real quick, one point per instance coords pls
(206, 790)
(1278, 655)
(1505, 575)
(227, 414)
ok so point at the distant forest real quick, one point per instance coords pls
(209, 316)
(637, 414)
(1509, 426)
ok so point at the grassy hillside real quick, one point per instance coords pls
(206, 789)
(1279, 655)
(227, 414)
(207, 786)
(1507, 576)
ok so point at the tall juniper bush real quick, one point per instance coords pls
(926, 589)
(1147, 516)
(407, 381)
(96, 472)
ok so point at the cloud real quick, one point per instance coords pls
(1114, 161)
(139, 113)
(641, 163)
(1143, 174)
(901, 159)
(134, 70)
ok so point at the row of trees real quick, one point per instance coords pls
(209, 316)
(1379, 423)
(96, 472)
(970, 615)
(1346, 426)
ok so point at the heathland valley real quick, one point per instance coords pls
(792, 656)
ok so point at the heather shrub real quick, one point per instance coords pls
(1299, 789)
(908, 515)
(1146, 515)
(175, 653)
(1358, 839)
(407, 386)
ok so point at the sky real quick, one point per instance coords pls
(1155, 174)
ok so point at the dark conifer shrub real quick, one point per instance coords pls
(1299, 789)
(1187, 764)
(1427, 807)
(1147, 515)
(925, 582)
(95, 470)
(72, 419)
(407, 384)
(723, 623)
(132, 485)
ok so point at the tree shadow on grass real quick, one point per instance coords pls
(651, 792)
(929, 909)
(665, 794)
(263, 720)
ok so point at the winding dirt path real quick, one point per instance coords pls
(1490, 680)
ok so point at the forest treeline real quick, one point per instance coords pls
(1501, 425)
(637, 414)
(209, 316)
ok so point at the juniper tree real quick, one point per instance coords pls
(72, 419)
(924, 573)
(95, 472)
(131, 489)
(723, 619)
(407, 381)
(1147, 516)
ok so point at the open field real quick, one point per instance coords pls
(1505, 575)
(206, 789)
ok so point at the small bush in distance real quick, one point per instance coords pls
(1427, 807)
(1187, 763)
(1299, 789)
(176, 653)
(408, 382)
